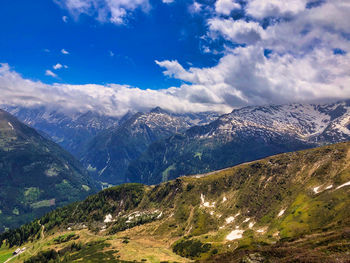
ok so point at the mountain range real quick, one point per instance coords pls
(109, 153)
(68, 129)
(151, 147)
(286, 208)
(243, 135)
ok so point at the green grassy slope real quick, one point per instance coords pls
(36, 175)
(286, 208)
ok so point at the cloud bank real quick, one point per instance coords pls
(275, 54)
(301, 55)
(113, 99)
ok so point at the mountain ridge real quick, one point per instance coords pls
(36, 175)
(243, 135)
(285, 208)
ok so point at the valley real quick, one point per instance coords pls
(283, 208)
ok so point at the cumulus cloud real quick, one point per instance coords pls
(113, 11)
(225, 7)
(57, 66)
(275, 8)
(195, 7)
(50, 73)
(302, 64)
(167, 1)
(65, 52)
(65, 19)
(238, 31)
(112, 99)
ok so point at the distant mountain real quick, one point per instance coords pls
(287, 208)
(243, 135)
(36, 175)
(109, 153)
(69, 130)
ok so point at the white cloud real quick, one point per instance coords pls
(112, 99)
(57, 66)
(301, 68)
(113, 11)
(111, 53)
(225, 7)
(195, 7)
(237, 31)
(50, 73)
(167, 1)
(65, 52)
(275, 8)
(247, 77)
(65, 19)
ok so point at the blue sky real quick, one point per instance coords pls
(112, 56)
(100, 52)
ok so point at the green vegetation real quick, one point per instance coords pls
(43, 203)
(93, 252)
(32, 169)
(5, 253)
(191, 248)
(285, 207)
(65, 238)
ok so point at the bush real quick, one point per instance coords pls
(192, 248)
(44, 257)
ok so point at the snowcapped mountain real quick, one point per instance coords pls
(308, 122)
(69, 130)
(109, 153)
(243, 135)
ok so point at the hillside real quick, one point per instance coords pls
(243, 135)
(109, 153)
(36, 175)
(70, 130)
(291, 207)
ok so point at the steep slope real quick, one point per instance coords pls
(36, 175)
(244, 135)
(286, 208)
(108, 154)
(69, 130)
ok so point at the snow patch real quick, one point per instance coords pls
(108, 218)
(224, 199)
(251, 224)
(235, 234)
(231, 218)
(261, 230)
(246, 220)
(206, 204)
(160, 215)
(281, 212)
(316, 189)
(341, 186)
(329, 187)
(9, 123)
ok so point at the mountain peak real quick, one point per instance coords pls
(158, 110)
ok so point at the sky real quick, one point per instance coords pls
(112, 56)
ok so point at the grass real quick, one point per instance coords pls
(43, 203)
(257, 190)
(5, 253)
